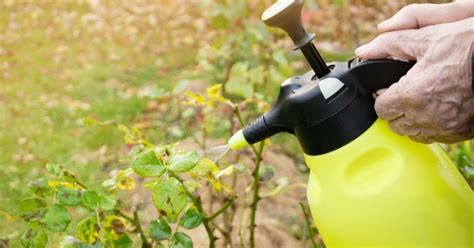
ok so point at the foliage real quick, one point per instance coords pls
(173, 176)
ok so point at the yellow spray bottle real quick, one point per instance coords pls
(368, 187)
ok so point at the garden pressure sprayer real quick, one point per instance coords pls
(368, 187)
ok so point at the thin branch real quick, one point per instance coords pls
(241, 219)
(222, 209)
(308, 225)
(255, 196)
(138, 225)
(74, 178)
(124, 215)
(255, 182)
(198, 204)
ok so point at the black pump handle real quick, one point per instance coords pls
(373, 75)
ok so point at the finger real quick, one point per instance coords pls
(406, 18)
(390, 105)
(401, 98)
(421, 15)
(403, 126)
(421, 139)
(400, 44)
(379, 92)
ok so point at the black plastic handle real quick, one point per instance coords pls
(373, 75)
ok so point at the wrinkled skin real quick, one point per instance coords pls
(434, 102)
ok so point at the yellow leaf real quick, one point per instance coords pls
(216, 184)
(214, 91)
(205, 166)
(7, 216)
(113, 227)
(89, 121)
(197, 99)
(126, 183)
(225, 172)
(123, 129)
(52, 183)
(228, 190)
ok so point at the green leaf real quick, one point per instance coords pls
(107, 203)
(239, 83)
(123, 242)
(159, 229)
(191, 219)
(34, 238)
(169, 197)
(87, 230)
(68, 197)
(90, 199)
(148, 165)
(219, 21)
(54, 169)
(184, 162)
(181, 240)
(31, 208)
(40, 187)
(205, 166)
(57, 218)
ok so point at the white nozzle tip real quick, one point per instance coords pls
(237, 141)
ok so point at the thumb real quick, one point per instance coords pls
(399, 44)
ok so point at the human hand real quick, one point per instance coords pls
(434, 101)
(415, 16)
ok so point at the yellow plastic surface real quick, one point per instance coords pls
(384, 190)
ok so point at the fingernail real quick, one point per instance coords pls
(360, 49)
(383, 26)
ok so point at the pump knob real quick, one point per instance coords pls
(286, 15)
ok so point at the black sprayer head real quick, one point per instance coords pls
(324, 109)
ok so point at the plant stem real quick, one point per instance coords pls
(222, 209)
(74, 178)
(197, 202)
(220, 229)
(308, 225)
(255, 196)
(242, 124)
(138, 225)
(228, 217)
(241, 219)
(124, 215)
(255, 182)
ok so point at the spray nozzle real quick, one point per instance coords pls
(282, 117)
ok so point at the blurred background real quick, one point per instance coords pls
(64, 62)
